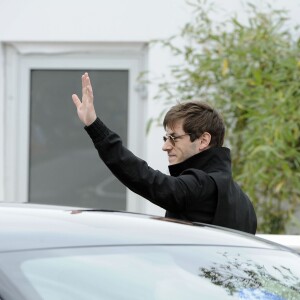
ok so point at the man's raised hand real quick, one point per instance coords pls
(85, 108)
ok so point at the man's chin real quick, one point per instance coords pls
(172, 161)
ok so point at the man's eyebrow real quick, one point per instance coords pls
(172, 133)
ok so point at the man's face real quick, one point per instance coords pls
(183, 148)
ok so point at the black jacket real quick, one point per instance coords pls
(200, 189)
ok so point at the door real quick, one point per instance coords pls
(54, 160)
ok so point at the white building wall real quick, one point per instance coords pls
(2, 112)
(106, 21)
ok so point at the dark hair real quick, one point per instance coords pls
(198, 117)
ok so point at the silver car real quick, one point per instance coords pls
(74, 254)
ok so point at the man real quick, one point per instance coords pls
(200, 188)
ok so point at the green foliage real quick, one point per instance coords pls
(251, 73)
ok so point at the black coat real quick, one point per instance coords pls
(200, 189)
(233, 207)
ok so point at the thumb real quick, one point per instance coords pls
(76, 100)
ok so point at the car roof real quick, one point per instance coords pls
(26, 226)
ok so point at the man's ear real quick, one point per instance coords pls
(205, 139)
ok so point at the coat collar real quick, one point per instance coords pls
(211, 160)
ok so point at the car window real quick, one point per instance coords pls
(160, 272)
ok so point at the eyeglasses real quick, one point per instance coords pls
(173, 138)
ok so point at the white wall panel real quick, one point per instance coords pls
(106, 21)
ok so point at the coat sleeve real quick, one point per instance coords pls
(175, 194)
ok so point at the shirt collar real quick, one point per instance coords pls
(211, 160)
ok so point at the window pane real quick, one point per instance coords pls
(154, 273)
(64, 166)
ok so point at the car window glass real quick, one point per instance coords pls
(161, 272)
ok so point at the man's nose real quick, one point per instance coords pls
(167, 145)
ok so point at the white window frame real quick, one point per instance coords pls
(21, 58)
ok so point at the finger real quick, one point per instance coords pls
(76, 100)
(83, 84)
(87, 80)
(89, 89)
(90, 92)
